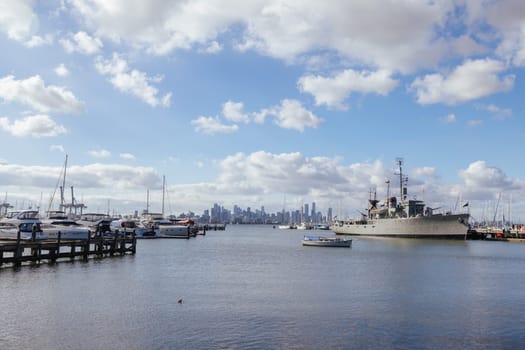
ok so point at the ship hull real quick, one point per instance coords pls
(437, 226)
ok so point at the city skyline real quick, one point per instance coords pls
(272, 103)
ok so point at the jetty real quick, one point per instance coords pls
(18, 252)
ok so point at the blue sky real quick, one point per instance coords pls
(263, 103)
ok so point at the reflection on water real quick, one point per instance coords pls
(258, 287)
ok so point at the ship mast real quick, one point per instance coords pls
(399, 163)
(388, 193)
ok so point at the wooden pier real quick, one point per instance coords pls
(34, 252)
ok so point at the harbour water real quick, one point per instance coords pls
(255, 287)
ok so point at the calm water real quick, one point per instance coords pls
(254, 287)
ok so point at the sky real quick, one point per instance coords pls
(272, 103)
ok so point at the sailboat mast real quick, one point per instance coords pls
(163, 192)
(147, 201)
(62, 189)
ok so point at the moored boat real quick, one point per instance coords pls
(320, 241)
(23, 222)
(65, 229)
(404, 218)
(131, 225)
(165, 228)
(98, 223)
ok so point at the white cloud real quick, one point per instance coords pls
(17, 19)
(33, 93)
(232, 111)
(213, 48)
(334, 90)
(160, 26)
(107, 180)
(398, 36)
(35, 126)
(505, 19)
(127, 156)
(290, 114)
(102, 153)
(425, 171)
(37, 41)
(450, 118)
(58, 148)
(266, 173)
(472, 80)
(474, 122)
(498, 112)
(61, 70)
(133, 82)
(482, 181)
(81, 42)
(211, 126)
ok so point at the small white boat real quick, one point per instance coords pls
(304, 226)
(319, 241)
(287, 227)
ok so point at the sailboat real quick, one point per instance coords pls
(162, 226)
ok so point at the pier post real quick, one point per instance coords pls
(85, 248)
(17, 252)
(133, 242)
(99, 244)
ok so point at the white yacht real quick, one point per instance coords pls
(164, 227)
(128, 226)
(96, 222)
(26, 222)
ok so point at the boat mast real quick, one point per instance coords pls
(163, 192)
(147, 201)
(62, 189)
(399, 163)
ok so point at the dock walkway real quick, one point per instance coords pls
(34, 252)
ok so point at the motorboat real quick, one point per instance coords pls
(99, 224)
(65, 229)
(320, 241)
(164, 227)
(304, 226)
(25, 222)
(128, 226)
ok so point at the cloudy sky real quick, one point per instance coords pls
(263, 103)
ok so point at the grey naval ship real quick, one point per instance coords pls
(405, 217)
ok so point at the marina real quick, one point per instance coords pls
(255, 287)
